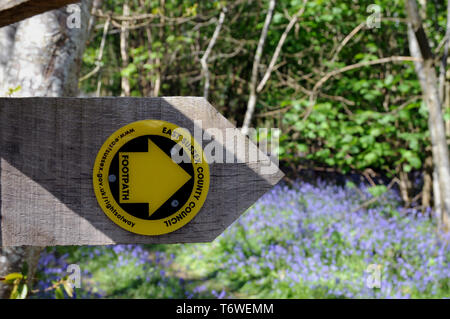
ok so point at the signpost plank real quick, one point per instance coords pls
(47, 151)
(12, 11)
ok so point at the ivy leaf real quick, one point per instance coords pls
(12, 277)
(22, 291)
(350, 185)
(388, 80)
(370, 158)
(59, 294)
(68, 288)
(415, 161)
(129, 70)
(25, 268)
(302, 148)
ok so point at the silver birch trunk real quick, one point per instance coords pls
(419, 47)
(43, 56)
(256, 62)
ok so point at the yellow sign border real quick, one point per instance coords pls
(103, 192)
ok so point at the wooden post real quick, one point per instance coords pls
(48, 147)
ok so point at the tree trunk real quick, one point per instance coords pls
(124, 34)
(447, 102)
(7, 35)
(419, 47)
(415, 52)
(46, 55)
(42, 55)
(161, 34)
(427, 183)
(405, 188)
(444, 74)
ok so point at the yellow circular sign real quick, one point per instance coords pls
(151, 177)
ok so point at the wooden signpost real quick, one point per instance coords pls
(50, 149)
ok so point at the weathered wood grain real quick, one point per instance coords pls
(12, 11)
(47, 151)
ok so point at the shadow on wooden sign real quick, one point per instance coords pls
(48, 147)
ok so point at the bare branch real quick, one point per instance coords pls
(145, 16)
(356, 30)
(274, 112)
(376, 198)
(212, 42)
(228, 55)
(125, 83)
(98, 62)
(347, 39)
(331, 74)
(277, 52)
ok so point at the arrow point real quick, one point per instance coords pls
(150, 213)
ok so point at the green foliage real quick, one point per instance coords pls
(379, 124)
(20, 285)
(377, 190)
(11, 91)
(366, 117)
